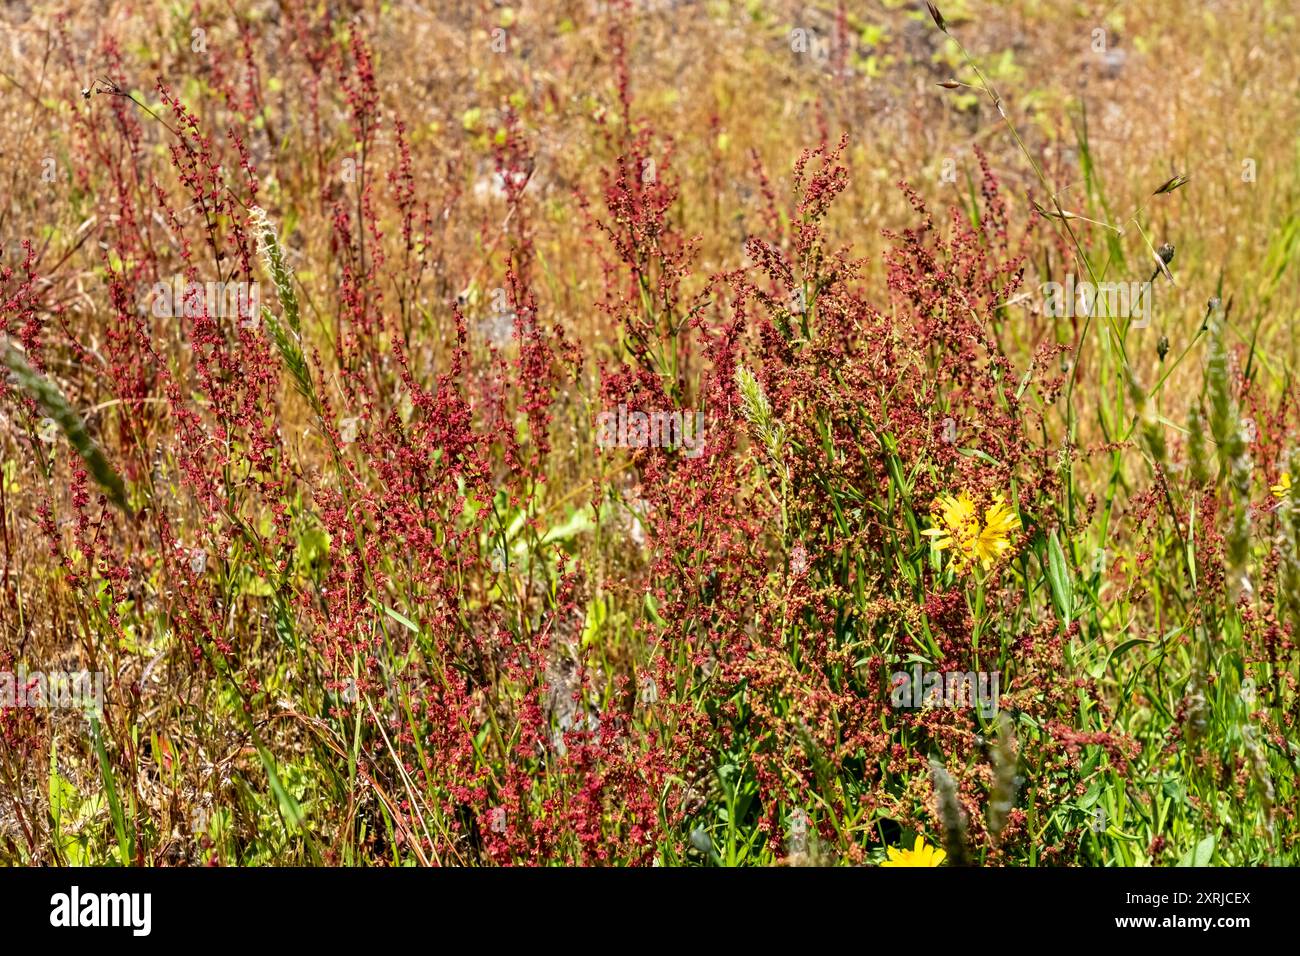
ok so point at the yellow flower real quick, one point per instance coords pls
(957, 528)
(1283, 487)
(921, 854)
(995, 537)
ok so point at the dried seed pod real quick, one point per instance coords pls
(936, 16)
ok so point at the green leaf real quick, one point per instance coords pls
(289, 808)
(404, 621)
(254, 585)
(652, 607)
(597, 614)
(1058, 578)
(110, 790)
(1124, 648)
(313, 546)
(577, 523)
(1199, 855)
(64, 799)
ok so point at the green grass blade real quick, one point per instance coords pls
(56, 406)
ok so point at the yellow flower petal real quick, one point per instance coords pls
(921, 854)
(1283, 487)
(957, 528)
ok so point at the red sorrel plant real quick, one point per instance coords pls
(374, 587)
